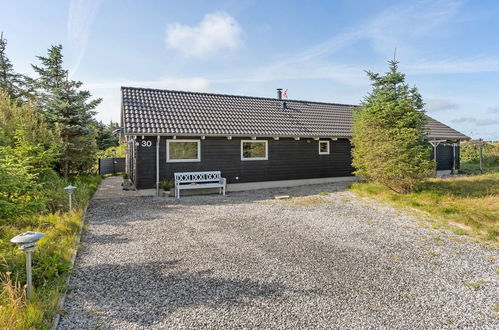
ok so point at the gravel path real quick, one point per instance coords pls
(249, 261)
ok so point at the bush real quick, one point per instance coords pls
(470, 153)
(470, 157)
(28, 151)
(111, 152)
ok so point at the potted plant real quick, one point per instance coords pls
(166, 186)
(127, 184)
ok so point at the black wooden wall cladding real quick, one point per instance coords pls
(111, 165)
(288, 159)
(445, 157)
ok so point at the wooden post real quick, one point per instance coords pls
(435, 159)
(480, 143)
(481, 157)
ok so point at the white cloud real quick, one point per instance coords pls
(217, 33)
(81, 16)
(450, 66)
(385, 31)
(399, 25)
(493, 109)
(435, 105)
(477, 121)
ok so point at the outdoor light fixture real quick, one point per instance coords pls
(114, 160)
(70, 190)
(27, 243)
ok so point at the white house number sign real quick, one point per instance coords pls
(145, 143)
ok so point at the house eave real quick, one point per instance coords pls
(244, 135)
(450, 138)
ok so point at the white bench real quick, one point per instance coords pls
(199, 180)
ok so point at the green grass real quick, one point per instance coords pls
(51, 259)
(474, 168)
(470, 160)
(466, 205)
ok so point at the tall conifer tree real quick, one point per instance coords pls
(389, 132)
(10, 81)
(69, 110)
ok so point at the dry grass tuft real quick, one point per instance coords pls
(495, 310)
(474, 285)
(306, 201)
(13, 298)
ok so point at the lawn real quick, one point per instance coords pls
(51, 259)
(466, 205)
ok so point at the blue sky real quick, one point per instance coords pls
(318, 50)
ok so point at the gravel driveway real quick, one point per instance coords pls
(249, 261)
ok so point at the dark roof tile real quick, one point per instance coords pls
(155, 111)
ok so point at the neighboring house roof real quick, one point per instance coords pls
(152, 111)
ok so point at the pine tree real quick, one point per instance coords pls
(10, 81)
(389, 132)
(105, 137)
(69, 110)
(51, 77)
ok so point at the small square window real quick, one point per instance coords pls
(323, 147)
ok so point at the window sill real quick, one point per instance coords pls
(183, 161)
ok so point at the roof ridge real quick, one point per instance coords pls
(235, 95)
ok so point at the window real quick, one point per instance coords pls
(254, 150)
(183, 151)
(323, 147)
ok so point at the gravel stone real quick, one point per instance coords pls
(247, 260)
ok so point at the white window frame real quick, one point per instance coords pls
(328, 147)
(256, 158)
(168, 160)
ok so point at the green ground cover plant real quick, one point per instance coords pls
(466, 205)
(51, 259)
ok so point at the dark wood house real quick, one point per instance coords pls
(248, 139)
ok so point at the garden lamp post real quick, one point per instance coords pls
(70, 190)
(114, 160)
(27, 243)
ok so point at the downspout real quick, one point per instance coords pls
(157, 165)
(127, 156)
